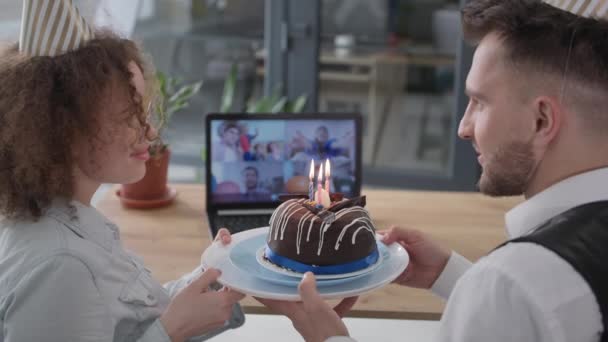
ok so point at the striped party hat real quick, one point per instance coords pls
(596, 9)
(51, 28)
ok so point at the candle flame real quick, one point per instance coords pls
(312, 170)
(327, 169)
(320, 177)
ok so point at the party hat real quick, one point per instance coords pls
(597, 9)
(51, 28)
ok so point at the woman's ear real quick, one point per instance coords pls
(548, 119)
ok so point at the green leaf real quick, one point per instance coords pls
(172, 84)
(171, 101)
(204, 154)
(229, 90)
(197, 86)
(263, 105)
(162, 83)
(276, 94)
(279, 106)
(299, 104)
(184, 93)
(252, 106)
(176, 108)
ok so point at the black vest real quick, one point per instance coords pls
(580, 236)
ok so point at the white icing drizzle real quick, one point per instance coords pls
(367, 224)
(300, 228)
(286, 207)
(276, 213)
(357, 232)
(341, 213)
(310, 228)
(289, 208)
(283, 223)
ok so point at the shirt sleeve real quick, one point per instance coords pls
(58, 301)
(174, 286)
(488, 305)
(457, 266)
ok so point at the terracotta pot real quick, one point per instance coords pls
(154, 184)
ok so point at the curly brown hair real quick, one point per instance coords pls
(48, 104)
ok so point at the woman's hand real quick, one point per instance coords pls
(427, 257)
(224, 236)
(313, 318)
(196, 310)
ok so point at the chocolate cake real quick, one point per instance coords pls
(302, 233)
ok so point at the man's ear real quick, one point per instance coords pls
(548, 119)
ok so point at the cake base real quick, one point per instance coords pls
(299, 267)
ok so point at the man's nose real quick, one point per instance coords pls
(464, 131)
(466, 128)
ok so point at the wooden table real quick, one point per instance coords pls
(171, 239)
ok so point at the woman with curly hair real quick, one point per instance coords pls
(73, 115)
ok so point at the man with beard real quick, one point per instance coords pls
(251, 178)
(538, 90)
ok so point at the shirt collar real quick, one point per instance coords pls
(86, 222)
(580, 189)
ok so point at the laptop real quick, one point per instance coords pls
(254, 160)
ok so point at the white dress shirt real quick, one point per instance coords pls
(522, 291)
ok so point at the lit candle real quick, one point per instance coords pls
(311, 184)
(325, 200)
(327, 176)
(320, 184)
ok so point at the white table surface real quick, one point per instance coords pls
(271, 328)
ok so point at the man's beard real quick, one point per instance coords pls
(508, 171)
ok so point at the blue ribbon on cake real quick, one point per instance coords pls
(299, 267)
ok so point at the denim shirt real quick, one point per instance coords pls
(67, 277)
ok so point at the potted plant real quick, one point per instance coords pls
(152, 190)
(267, 104)
(272, 104)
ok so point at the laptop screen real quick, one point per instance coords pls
(256, 158)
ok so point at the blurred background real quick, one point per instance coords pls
(397, 62)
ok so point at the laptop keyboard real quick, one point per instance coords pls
(239, 223)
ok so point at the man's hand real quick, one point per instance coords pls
(427, 257)
(313, 318)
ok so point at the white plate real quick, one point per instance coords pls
(240, 256)
(259, 255)
(394, 261)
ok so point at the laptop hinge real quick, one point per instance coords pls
(234, 212)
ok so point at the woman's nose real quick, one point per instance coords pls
(151, 132)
